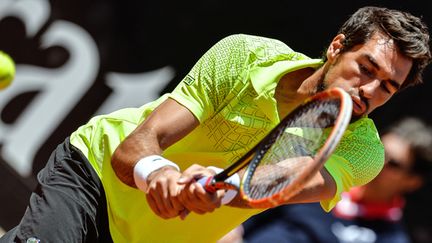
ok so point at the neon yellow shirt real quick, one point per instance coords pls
(231, 92)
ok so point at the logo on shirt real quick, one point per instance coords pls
(189, 80)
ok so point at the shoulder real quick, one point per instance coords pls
(362, 147)
(254, 42)
(262, 50)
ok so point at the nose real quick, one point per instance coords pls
(367, 90)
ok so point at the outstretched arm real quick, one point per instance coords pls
(320, 187)
(167, 124)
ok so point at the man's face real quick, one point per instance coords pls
(371, 73)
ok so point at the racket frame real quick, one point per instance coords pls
(250, 158)
(341, 123)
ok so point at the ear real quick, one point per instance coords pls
(335, 47)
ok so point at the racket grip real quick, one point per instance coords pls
(207, 183)
(209, 186)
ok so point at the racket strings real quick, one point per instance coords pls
(290, 150)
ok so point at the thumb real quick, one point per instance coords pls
(185, 179)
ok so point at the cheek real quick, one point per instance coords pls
(386, 98)
(380, 99)
(343, 75)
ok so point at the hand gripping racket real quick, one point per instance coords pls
(291, 154)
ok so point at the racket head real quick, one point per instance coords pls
(293, 152)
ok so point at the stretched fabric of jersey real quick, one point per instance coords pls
(230, 90)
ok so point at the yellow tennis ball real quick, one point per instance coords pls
(7, 70)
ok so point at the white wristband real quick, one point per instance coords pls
(233, 180)
(145, 166)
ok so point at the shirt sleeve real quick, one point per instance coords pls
(357, 160)
(207, 85)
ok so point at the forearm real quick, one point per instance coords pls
(139, 144)
(166, 125)
(318, 188)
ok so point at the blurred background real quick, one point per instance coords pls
(76, 59)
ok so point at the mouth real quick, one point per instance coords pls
(359, 107)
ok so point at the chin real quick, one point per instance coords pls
(357, 116)
(354, 118)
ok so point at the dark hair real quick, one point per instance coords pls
(409, 32)
(419, 137)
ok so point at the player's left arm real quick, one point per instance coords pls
(322, 186)
(168, 123)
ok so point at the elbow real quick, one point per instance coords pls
(123, 168)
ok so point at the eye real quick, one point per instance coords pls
(384, 86)
(389, 87)
(366, 71)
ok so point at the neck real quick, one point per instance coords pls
(314, 83)
(287, 92)
(296, 86)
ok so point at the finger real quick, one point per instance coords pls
(185, 179)
(159, 194)
(193, 202)
(209, 201)
(218, 196)
(170, 201)
(157, 205)
(188, 199)
(176, 203)
(152, 203)
(191, 173)
(183, 214)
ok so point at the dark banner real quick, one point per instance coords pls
(76, 59)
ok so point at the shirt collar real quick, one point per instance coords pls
(264, 80)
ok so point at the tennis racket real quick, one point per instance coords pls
(281, 164)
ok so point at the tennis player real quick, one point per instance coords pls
(121, 175)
